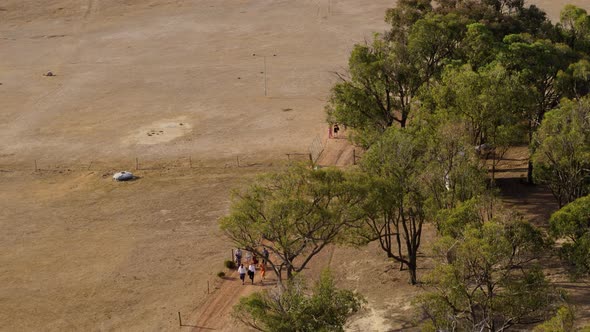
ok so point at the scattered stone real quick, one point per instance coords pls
(239, 78)
(253, 54)
(49, 74)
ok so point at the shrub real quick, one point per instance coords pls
(230, 264)
(221, 274)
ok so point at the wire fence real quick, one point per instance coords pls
(147, 163)
(316, 148)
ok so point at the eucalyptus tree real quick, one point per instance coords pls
(297, 308)
(485, 278)
(294, 214)
(562, 156)
(572, 223)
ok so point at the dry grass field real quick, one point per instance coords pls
(160, 80)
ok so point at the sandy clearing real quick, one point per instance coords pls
(129, 66)
(80, 252)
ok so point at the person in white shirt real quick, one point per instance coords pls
(242, 272)
(251, 272)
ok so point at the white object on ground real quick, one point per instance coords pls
(123, 176)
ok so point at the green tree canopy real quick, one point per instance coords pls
(573, 223)
(409, 176)
(575, 24)
(562, 157)
(294, 214)
(394, 209)
(484, 280)
(295, 309)
(490, 104)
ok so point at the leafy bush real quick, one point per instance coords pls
(221, 274)
(230, 264)
(294, 308)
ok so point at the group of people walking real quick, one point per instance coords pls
(252, 262)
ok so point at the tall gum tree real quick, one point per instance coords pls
(485, 278)
(537, 62)
(294, 214)
(394, 209)
(562, 156)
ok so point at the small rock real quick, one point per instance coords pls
(49, 74)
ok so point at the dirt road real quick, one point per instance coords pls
(161, 80)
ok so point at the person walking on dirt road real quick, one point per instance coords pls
(248, 257)
(265, 255)
(238, 255)
(262, 272)
(251, 272)
(242, 272)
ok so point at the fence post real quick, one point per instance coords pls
(238, 160)
(136, 163)
(311, 159)
(190, 162)
(354, 156)
(35, 165)
(179, 319)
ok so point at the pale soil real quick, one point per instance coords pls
(123, 68)
(79, 252)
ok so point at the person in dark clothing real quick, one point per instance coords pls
(265, 255)
(251, 272)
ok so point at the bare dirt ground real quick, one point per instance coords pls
(162, 80)
(127, 69)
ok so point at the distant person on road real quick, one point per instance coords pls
(248, 257)
(238, 255)
(255, 260)
(251, 272)
(336, 130)
(262, 272)
(242, 272)
(265, 254)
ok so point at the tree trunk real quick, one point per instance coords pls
(529, 172)
(279, 274)
(413, 274)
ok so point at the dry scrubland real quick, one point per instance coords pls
(79, 252)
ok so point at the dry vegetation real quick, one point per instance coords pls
(80, 252)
